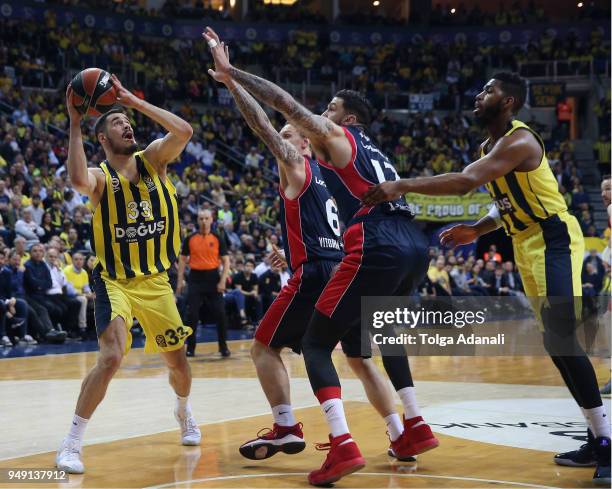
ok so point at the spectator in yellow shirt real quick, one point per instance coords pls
(439, 277)
(78, 278)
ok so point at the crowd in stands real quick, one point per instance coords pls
(41, 54)
(45, 256)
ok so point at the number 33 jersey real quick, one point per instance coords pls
(135, 227)
(310, 222)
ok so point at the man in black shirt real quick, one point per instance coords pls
(248, 299)
(269, 287)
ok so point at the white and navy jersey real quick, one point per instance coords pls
(368, 167)
(310, 223)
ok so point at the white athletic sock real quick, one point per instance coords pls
(334, 414)
(586, 418)
(283, 415)
(394, 426)
(599, 421)
(77, 428)
(182, 406)
(408, 397)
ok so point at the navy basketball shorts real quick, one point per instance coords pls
(287, 318)
(383, 257)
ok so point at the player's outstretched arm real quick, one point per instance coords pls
(505, 157)
(165, 150)
(285, 153)
(314, 127)
(86, 181)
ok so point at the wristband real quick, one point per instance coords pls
(494, 214)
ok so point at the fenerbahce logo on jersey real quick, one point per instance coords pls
(138, 231)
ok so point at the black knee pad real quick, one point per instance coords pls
(320, 334)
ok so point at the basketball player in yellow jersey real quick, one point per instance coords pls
(547, 240)
(136, 239)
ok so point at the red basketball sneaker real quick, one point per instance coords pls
(417, 438)
(343, 458)
(286, 439)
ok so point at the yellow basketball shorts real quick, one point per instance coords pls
(549, 258)
(147, 298)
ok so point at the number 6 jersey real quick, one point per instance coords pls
(135, 228)
(310, 223)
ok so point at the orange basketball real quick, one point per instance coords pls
(93, 92)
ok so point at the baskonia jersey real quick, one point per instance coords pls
(310, 223)
(135, 228)
(368, 167)
(526, 198)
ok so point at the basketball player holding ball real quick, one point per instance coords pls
(135, 239)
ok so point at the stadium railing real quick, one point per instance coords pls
(560, 69)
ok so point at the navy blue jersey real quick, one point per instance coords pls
(368, 167)
(310, 223)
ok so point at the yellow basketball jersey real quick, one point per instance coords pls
(526, 198)
(135, 228)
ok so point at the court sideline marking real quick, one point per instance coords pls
(378, 474)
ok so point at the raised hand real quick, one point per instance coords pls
(73, 113)
(277, 259)
(220, 55)
(124, 96)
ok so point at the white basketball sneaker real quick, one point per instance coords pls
(68, 457)
(190, 433)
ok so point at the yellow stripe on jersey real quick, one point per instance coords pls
(135, 227)
(526, 198)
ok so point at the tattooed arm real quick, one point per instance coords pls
(313, 126)
(327, 138)
(256, 118)
(290, 161)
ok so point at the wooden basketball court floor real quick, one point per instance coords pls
(499, 421)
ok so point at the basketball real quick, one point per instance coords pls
(93, 92)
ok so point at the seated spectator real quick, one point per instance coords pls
(48, 228)
(458, 274)
(82, 228)
(6, 234)
(439, 278)
(19, 244)
(74, 244)
(57, 214)
(12, 278)
(37, 282)
(208, 157)
(580, 199)
(36, 208)
(475, 281)
(594, 258)
(14, 313)
(586, 220)
(269, 287)
(253, 158)
(27, 228)
(246, 294)
(60, 298)
(488, 275)
(78, 278)
(492, 254)
(592, 283)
